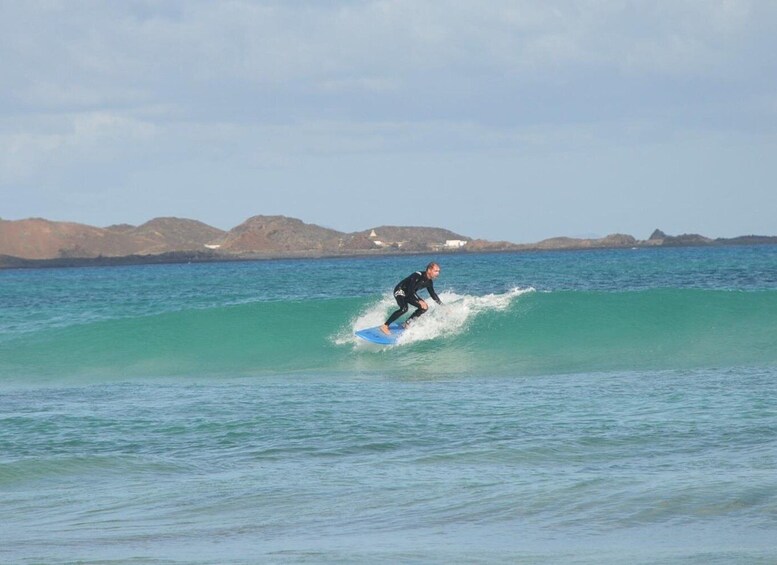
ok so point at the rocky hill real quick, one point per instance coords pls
(612, 240)
(407, 238)
(32, 241)
(165, 235)
(259, 236)
(37, 238)
(279, 234)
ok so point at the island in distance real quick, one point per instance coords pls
(37, 242)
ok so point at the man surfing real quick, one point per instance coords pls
(406, 292)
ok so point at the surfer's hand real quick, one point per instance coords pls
(423, 304)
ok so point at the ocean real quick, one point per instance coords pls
(603, 406)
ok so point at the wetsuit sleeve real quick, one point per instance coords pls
(433, 294)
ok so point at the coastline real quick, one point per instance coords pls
(8, 262)
(40, 243)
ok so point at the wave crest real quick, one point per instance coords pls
(449, 319)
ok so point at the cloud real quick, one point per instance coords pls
(153, 95)
(31, 145)
(518, 63)
(65, 55)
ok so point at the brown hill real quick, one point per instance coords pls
(409, 238)
(259, 235)
(176, 239)
(36, 238)
(748, 240)
(612, 240)
(176, 234)
(279, 234)
(557, 243)
(685, 240)
(420, 234)
(412, 233)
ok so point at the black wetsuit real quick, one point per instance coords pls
(406, 292)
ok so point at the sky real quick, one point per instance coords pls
(502, 120)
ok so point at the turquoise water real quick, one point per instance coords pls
(574, 407)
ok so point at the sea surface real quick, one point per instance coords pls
(610, 406)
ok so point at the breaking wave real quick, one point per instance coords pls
(519, 332)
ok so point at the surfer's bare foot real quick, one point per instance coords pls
(385, 329)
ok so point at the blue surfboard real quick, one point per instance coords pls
(374, 335)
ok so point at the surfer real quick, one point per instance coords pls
(406, 292)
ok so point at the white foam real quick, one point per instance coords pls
(450, 318)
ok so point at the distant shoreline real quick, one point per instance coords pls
(39, 243)
(188, 257)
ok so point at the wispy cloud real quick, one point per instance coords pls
(144, 86)
(72, 55)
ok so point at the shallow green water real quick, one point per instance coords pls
(600, 407)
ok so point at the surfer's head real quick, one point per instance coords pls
(432, 270)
